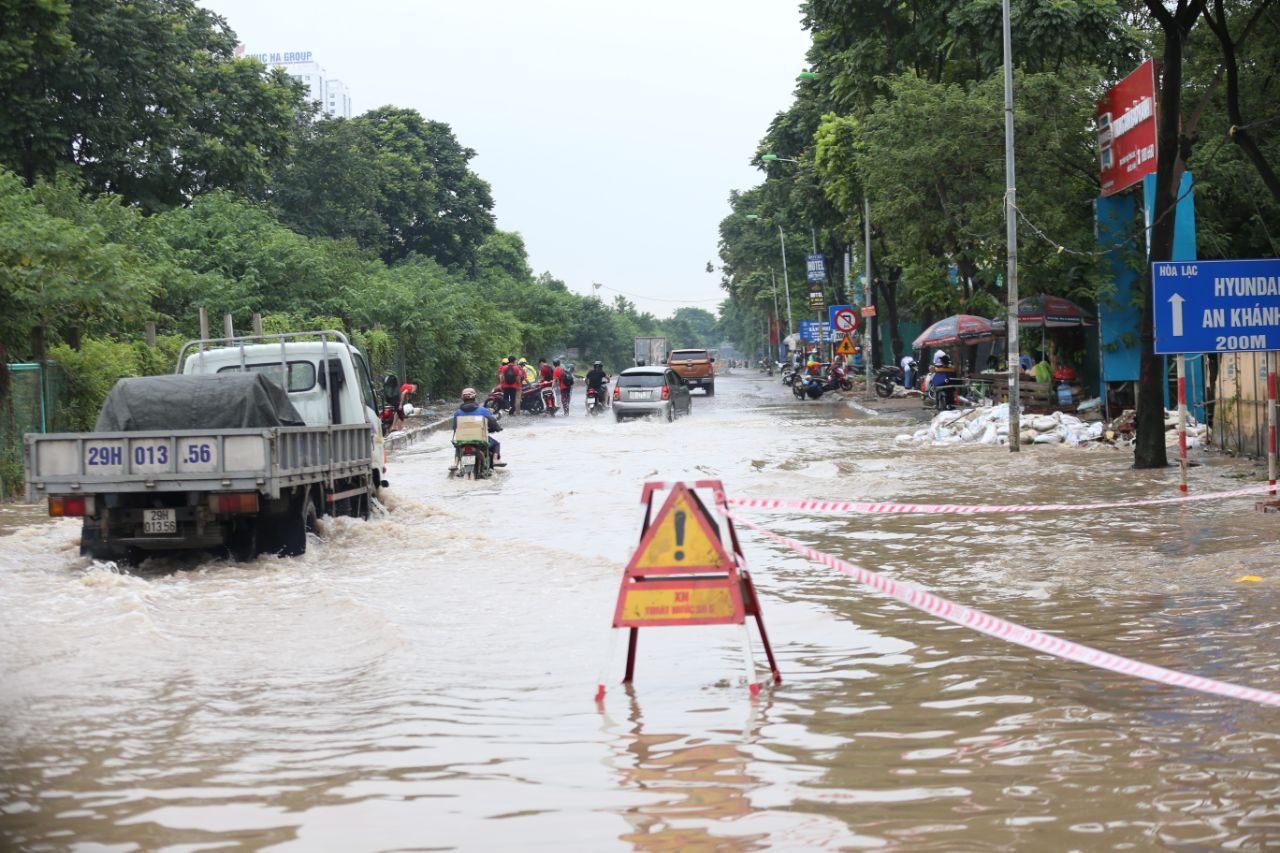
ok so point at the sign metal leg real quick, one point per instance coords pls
(1182, 423)
(631, 655)
(749, 660)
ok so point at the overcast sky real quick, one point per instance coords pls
(610, 133)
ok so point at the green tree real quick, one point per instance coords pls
(142, 99)
(403, 186)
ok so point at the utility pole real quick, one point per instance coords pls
(866, 295)
(786, 281)
(1011, 227)
(773, 279)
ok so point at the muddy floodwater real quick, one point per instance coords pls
(425, 680)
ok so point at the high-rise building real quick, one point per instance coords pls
(330, 93)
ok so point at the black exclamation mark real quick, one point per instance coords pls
(680, 518)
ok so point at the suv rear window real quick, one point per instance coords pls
(689, 355)
(640, 380)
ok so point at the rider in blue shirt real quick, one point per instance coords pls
(470, 408)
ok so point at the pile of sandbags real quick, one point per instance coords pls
(990, 425)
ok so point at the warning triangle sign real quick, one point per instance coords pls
(845, 347)
(682, 537)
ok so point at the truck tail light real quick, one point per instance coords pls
(67, 506)
(666, 392)
(239, 502)
(617, 393)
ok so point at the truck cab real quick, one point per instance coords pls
(327, 380)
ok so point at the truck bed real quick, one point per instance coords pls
(259, 459)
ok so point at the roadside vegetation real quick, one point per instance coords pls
(146, 172)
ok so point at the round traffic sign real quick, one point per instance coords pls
(847, 320)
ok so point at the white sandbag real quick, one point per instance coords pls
(1043, 423)
(1027, 436)
(991, 435)
(1047, 438)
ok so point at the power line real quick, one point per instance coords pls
(656, 298)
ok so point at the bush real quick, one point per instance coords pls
(92, 371)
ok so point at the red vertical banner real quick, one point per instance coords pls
(1126, 124)
(773, 332)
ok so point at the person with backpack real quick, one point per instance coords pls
(563, 379)
(510, 381)
(545, 372)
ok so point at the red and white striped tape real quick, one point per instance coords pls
(973, 509)
(1012, 632)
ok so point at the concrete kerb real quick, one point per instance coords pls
(403, 438)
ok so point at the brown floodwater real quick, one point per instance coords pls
(425, 680)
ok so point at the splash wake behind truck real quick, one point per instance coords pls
(239, 451)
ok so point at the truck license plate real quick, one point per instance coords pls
(159, 521)
(468, 462)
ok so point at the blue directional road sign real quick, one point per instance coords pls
(1217, 306)
(815, 332)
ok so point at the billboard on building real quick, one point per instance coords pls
(1126, 122)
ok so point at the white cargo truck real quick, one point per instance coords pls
(650, 351)
(238, 451)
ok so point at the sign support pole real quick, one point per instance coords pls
(1182, 422)
(1271, 423)
(866, 297)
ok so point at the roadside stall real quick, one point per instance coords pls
(1058, 387)
(962, 337)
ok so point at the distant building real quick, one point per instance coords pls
(332, 94)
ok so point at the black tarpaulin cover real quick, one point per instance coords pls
(219, 401)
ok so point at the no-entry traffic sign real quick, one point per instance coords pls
(844, 319)
(1216, 306)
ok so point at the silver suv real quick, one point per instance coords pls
(651, 390)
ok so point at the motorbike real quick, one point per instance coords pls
(887, 378)
(472, 456)
(546, 392)
(837, 377)
(387, 414)
(812, 387)
(496, 403)
(597, 400)
(471, 459)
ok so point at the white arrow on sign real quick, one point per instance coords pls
(1177, 314)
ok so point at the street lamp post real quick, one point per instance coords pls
(786, 280)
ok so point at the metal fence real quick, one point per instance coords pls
(36, 402)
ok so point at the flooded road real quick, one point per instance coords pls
(425, 680)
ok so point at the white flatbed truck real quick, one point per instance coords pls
(243, 491)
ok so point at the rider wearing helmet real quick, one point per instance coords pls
(597, 379)
(530, 374)
(471, 408)
(940, 382)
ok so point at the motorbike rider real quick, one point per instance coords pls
(562, 378)
(509, 381)
(908, 365)
(597, 379)
(941, 381)
(471, 408)
(530, 374)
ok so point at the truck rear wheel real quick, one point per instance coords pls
(710, 388)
